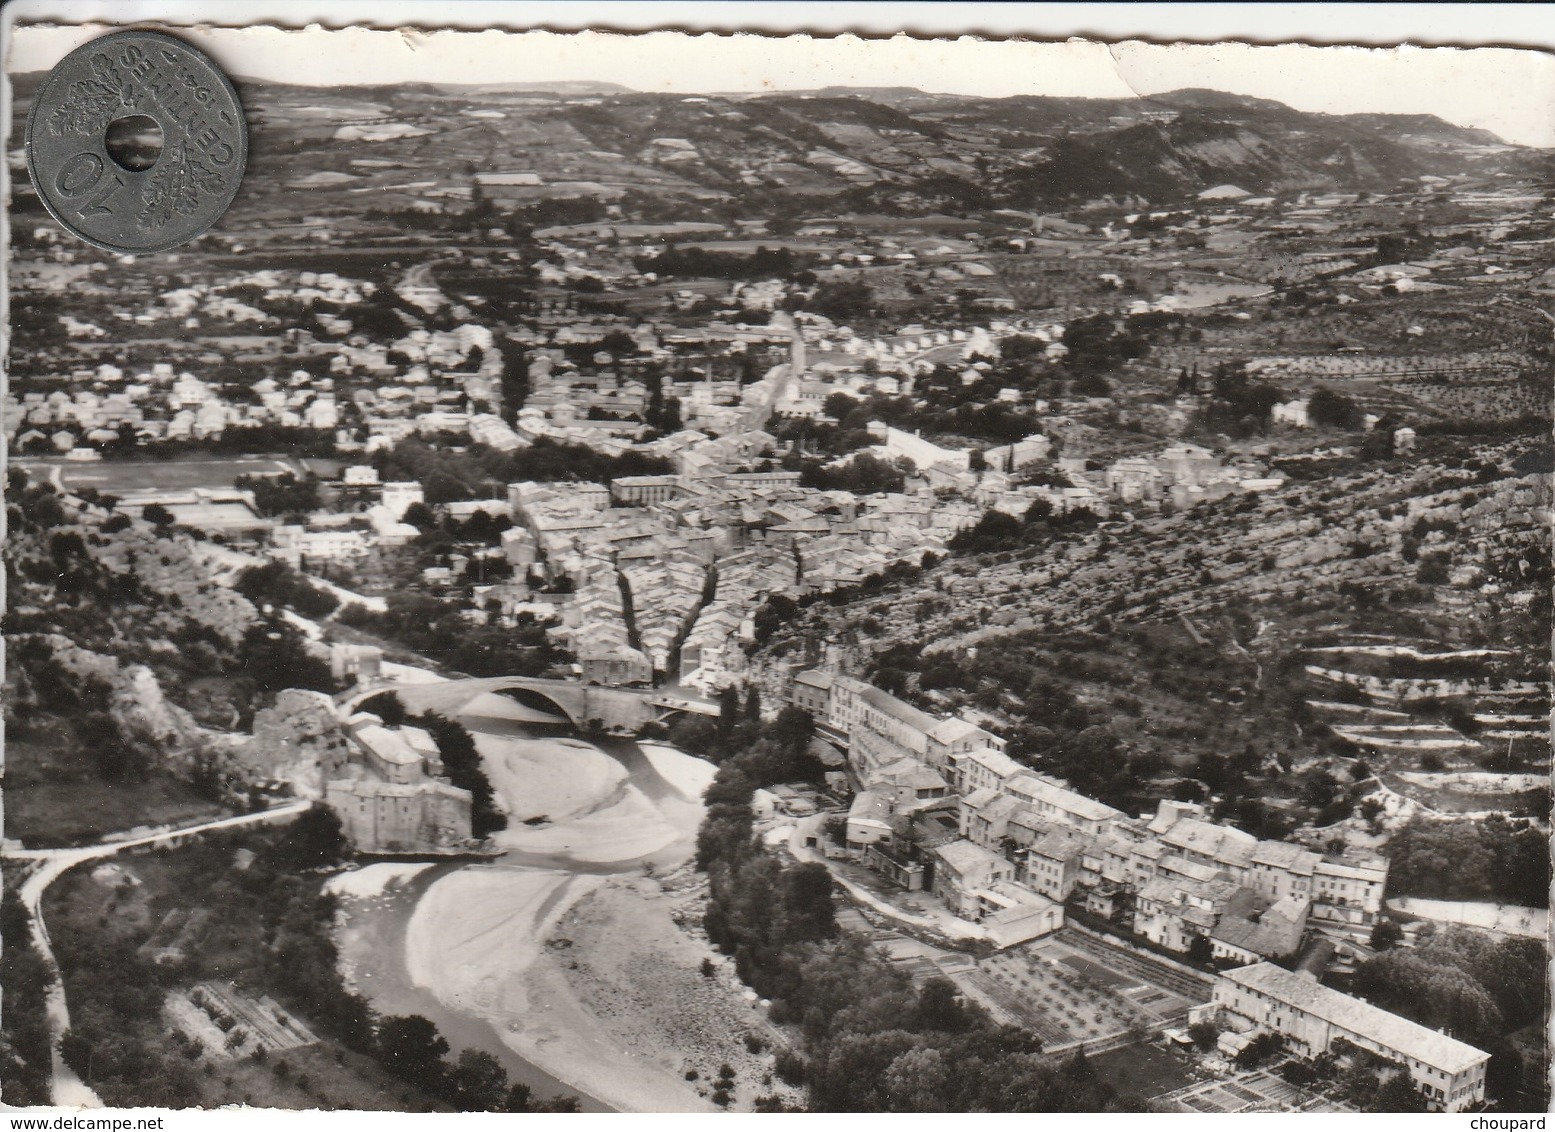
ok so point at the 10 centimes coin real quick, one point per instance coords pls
(93, 133)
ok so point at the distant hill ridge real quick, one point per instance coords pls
(897, 149)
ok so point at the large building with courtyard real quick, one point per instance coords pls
(1313, 1018)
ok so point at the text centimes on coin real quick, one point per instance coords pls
(165, 90)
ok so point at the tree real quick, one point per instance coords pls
(1204, 1034)
(839, 406)
(1359, 1085)
(387, 706)
(940, 1007)
(1386, 934)
(1434, 984)
(274, 655)
(806, 899)
(411, 1048)
(792, 730)
(283, 494)
(276, 583)
(842, 301)
(477, 1082)
(1332, 409)
(1199, 950)
(728, 710)
(315, 839)
(157, 515)
(1398, 1094)
(117, 758)
(462, 763)
(1259, 1050)
(420, 516)
(994, 531)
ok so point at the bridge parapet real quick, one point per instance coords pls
(584, 705)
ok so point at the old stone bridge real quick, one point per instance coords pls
(583, 705)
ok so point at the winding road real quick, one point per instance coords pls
(47, 866)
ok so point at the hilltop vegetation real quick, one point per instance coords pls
(896, 150)
(123, 658)
(1166, 657)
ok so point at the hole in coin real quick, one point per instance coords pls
(134, 142)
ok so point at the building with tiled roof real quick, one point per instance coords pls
(1171, 876)
(1312, 1018)
(1059, 803)
(1253, 927)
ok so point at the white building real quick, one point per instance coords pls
(1312, 1017)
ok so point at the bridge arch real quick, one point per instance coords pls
(544, 700)
(622, 710)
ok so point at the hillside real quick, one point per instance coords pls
(1175, 655)
(887, 148)
(128, 670)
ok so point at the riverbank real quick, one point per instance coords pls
(551, 779)
(487, 941)
(571, 949)
(569, 800)
(639, 975)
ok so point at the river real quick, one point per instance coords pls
(470, 945)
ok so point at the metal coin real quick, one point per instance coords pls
(92, 133)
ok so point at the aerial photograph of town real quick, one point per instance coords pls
(595, 594)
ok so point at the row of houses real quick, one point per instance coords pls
(942, 807)
(699, 551)
(1173, 877)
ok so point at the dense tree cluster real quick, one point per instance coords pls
(999, 531)
(700, 263)
(843, 300)
(779, 609)
(871, 1041)
(462, 764)
(24, 1051)
(472, 473)
(273, 656)
(276, 933)
(438, 629)
(276, 583)
(1476, 986)
(957, 410)
(412, 1048)
(111, 611)
(117, 758)
(116, 1040)
(1332, 409)
(1103, 711)
(284, 494)
(1479, 859)
(863, 475)
(1101, 343)
(293, 440)
(1239, 405)
(31, 506)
